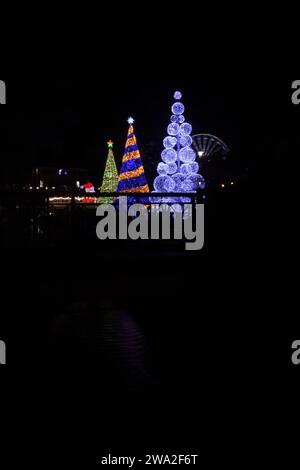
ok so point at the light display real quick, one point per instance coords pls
(178, 171)
(110, 176)
(88, 187)
(208, 146)
(132, 175)
(60, 200)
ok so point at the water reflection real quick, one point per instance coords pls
(106, 339)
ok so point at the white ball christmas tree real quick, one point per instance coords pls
(178, 171)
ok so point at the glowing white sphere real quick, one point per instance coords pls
(188, 185)
(177, 95)
(159, 183)
(185, 129)
(196, 180)
(172, 168)
(162, 168)
(194, 166)
(187, 155)
(185, 168)
(181, 119)
(185, 141)
(175, 118)
(168, 184)
(169, 142)
(178, 178)
(177, 108)
(189, 168)
(173, 128)
(169, 155)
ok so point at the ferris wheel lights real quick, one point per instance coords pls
(208, 145)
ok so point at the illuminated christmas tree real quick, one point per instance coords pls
(132, 175)
(178, 171)
(110, 176)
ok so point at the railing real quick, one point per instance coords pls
(40, 215)
(79, 198)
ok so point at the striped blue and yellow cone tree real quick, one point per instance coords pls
(110, 176)
(132, 175)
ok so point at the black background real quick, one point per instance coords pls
(226, 378)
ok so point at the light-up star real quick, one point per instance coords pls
(110, 143)
(130, 120)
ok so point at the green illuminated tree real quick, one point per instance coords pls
(110, 176)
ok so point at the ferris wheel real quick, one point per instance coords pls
(207, 145)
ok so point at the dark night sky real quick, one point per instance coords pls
(67, 121)
(66, 100)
